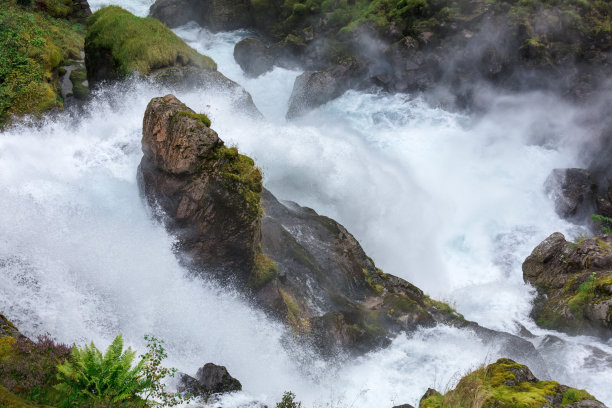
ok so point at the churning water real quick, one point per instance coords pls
(452, 203)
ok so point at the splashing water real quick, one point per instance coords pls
(450, 202)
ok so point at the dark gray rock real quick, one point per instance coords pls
(573, 192)
(210, 379)
(253, 57)
(216, 15)
(312, 89)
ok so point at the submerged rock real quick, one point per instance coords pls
(573, 192)
(299, 266)
(574, 284)
(312, 89)
(253, 57)
(210, 379)
(508, 384)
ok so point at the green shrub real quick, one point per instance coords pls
(605, 223)
(288, 401)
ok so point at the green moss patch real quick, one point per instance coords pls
(264, 271)
(137, 44)
(78, 77)
(33, 45)
(241, 176)
(495, 385)
(197, 116)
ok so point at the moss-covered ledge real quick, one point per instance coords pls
(119, 44)
(507, 384)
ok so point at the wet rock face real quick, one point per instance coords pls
(205, 188)
(8, 329)
(210, 379)
(217, 15)
(574, 283)
(312, 89)
(573, 192)
(253, 57)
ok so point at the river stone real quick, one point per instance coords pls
(253, 57)
(210, 379)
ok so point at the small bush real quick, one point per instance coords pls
(605, 223)
(288, 401)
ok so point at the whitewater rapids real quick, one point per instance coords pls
(450, 202)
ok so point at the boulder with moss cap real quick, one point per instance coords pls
(507, 384)
(574, 284)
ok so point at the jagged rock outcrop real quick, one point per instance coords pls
(299, 266)
(253, 56)
(216, 15)
(210, 379)
(574, 284)
(508, 384)
(312, 89)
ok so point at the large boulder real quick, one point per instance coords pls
(299, 266)
(574, 284)
(573, 192)
(508, 384)
(217, 15)
(210, 379)
(312, 89)
(216, 214)
(253, 56)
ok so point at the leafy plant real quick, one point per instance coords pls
(605, 223)
(288, 401)
(91, 376)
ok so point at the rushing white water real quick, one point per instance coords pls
(451, 203)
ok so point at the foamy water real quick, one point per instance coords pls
(450, 202)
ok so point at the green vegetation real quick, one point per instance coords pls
(34, 45)
(77, 77)
(264, 271)
(42, 372)
(90, 378)
(497, 385)
(136, 44)
(197, 116)
(605, 223)
(241, 176)
(288, 401)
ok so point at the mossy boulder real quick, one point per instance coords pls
(506, 384)
(119, 44)
(210, 192)
(574, 284)
(8, 329)
(34, 42)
